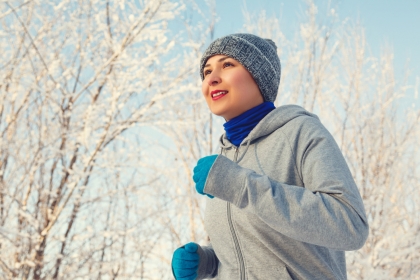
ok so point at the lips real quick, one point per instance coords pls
(217, 94)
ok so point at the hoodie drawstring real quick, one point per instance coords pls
(248, 142)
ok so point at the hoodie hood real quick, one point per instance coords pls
(273, 121)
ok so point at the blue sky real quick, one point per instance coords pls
(389, 23)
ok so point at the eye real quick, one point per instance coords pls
(227, 64)
(206, 72)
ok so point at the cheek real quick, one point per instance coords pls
(237, 79)
(204, 91)
(204, 88)
(245, 84)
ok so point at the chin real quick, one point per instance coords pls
(217, 113)
(222, 111)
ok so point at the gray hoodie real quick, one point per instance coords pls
(286, 205)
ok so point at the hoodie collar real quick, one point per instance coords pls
(271, 122)
(238, 128)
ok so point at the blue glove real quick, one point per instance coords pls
(201, 171)
(185, 262)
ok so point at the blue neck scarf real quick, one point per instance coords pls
(239, 127)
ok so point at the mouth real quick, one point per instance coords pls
(217, 94)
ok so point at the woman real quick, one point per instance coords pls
(283, 203)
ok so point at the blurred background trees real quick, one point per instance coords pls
(102, 121)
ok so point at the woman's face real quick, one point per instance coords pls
(229, 88)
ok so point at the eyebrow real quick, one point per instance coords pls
(220, 60)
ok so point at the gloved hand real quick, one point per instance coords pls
(185, 262)
(201, 171)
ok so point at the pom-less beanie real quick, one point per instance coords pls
(257, 55)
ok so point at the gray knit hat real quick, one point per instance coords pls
(257, 55)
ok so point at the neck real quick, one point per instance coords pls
(238, 128)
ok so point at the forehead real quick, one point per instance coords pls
(216, 58)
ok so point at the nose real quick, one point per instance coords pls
(214, 78)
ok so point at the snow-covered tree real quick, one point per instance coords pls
(83, 179)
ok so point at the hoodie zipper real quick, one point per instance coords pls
(232, 229)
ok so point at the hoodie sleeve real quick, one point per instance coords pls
(208, 262)
(328, 211)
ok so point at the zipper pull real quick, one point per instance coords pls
(236, 154)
